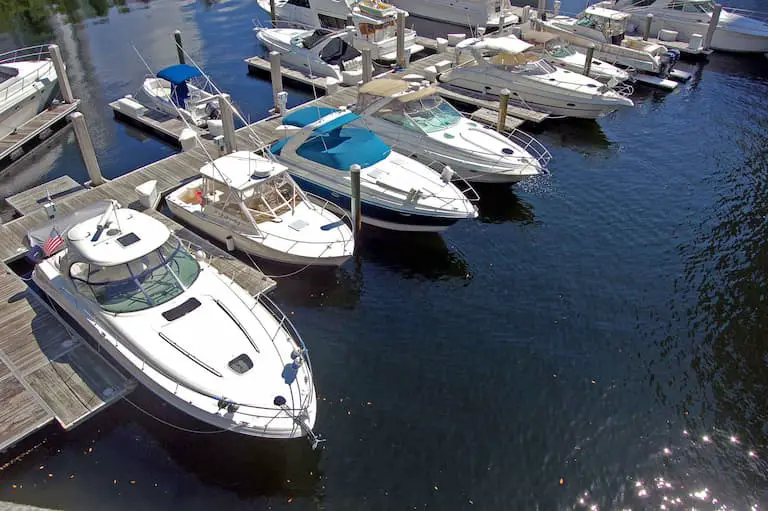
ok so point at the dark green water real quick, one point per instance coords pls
(597, 335)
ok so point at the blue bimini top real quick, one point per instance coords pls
(179, 73)
(335, 144)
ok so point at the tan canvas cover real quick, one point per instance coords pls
(384, 87)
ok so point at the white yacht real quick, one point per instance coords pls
(254, 201)
(317, 52)
(181, 91)
(189, 334)
(396, 192)
(505, 63)
(737, 31)
(472, 13)
(414, 120)
(561, 53)
(606, 29)
(28, 85)
(374, 23)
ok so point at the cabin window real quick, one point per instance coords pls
(642, 3)
(149, 281)
(699, 7)
(299, 3)
(331, 22)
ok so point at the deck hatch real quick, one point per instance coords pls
(181, 310)
(241, 364)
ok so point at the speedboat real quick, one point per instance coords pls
(318, 52)
(181, 91)
(473, 13)
(606, 29)
(505, 63)
(28, 85)
(191, 335)
(414, 120)
(561, 53)
(736, 31)
(373, 21)
(254, 201)
(396, 192)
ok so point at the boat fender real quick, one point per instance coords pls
(35, 255)
(230, 243)
(447, 174)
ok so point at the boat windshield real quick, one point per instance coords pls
(428, 114)
(697, 6)
(559, 49)
(143, 283)
(522, 63)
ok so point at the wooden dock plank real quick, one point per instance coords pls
(258, 65)
(493, 105)
(491, 118)
(30, 200)
(21, 413)
(4, 370)
(34, 127)
(166, 125)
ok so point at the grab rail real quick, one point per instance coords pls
(29, 54)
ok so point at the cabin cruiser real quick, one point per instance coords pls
(374, 23)
(414, 120)
(397, 193)
(736, 30)
(254, 201)
(561, 53)
(606, 29)
(504, 63)
(473, 13)
(191, 335)
(318, 52)
(28, 85)
(181, 91)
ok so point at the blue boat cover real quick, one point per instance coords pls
(179, 73)
(307, 116)
(341, 147)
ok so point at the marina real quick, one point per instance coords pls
(595, 264)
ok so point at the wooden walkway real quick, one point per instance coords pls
(33, 128)
(47, 371)
(259, 66)
(165, 126)
(33, 199)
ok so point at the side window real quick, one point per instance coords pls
(78, 273)
(299, 3)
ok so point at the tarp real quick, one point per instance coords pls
(507, 44)
(307, 116)
(342, 148)
(179, 73)
(338, 122)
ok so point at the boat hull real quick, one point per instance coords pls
(106, 341)
(26, 106)
(249, 245)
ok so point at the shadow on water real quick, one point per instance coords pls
(500, 203)
(584, 135)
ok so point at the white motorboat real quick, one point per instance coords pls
(416, 121)
(317, 52)
(472, 13)
(396, 192)
(254, 201)
(561, 53)
(737, 30)
(607, 29)
(181, 91)
(28, 85)
(374, 23)
(189, 334)
(504, 63)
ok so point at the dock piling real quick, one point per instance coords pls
(357, 215)
(86, 148)
(179, 46)
(367, 65)
(228, 123)
(556, 10)
(277, 77)
(401, 39)
(502, 21)
(588, 60)
(647, 28)
(526, 14)
(712, 26)
(542, 10)
(272, 12)
(503, 105)
(61, 74)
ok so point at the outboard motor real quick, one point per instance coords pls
(212, 111)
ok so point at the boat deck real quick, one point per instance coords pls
(33, 132)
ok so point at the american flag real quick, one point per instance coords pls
(53, 244)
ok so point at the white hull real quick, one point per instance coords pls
(456, 12)
(22, 107)
(156, 95)
(245, 243)
(106, 340)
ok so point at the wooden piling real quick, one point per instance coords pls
(588, 61)
(179, 46)
(228, 123)
(61, 74)
(357, 214)
(277, 77)
(503, 104)
(401, 39)
(712, 26)
(647, 28)
(367, 65)
(86, 148)
(556, 10)
(273, 12)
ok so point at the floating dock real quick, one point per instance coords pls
(166, 127)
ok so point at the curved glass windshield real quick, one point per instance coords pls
(428, 114)
(146, 282)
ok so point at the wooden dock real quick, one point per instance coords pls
(33, 199)
(258, 66)
(165, 126)
(33, 132)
